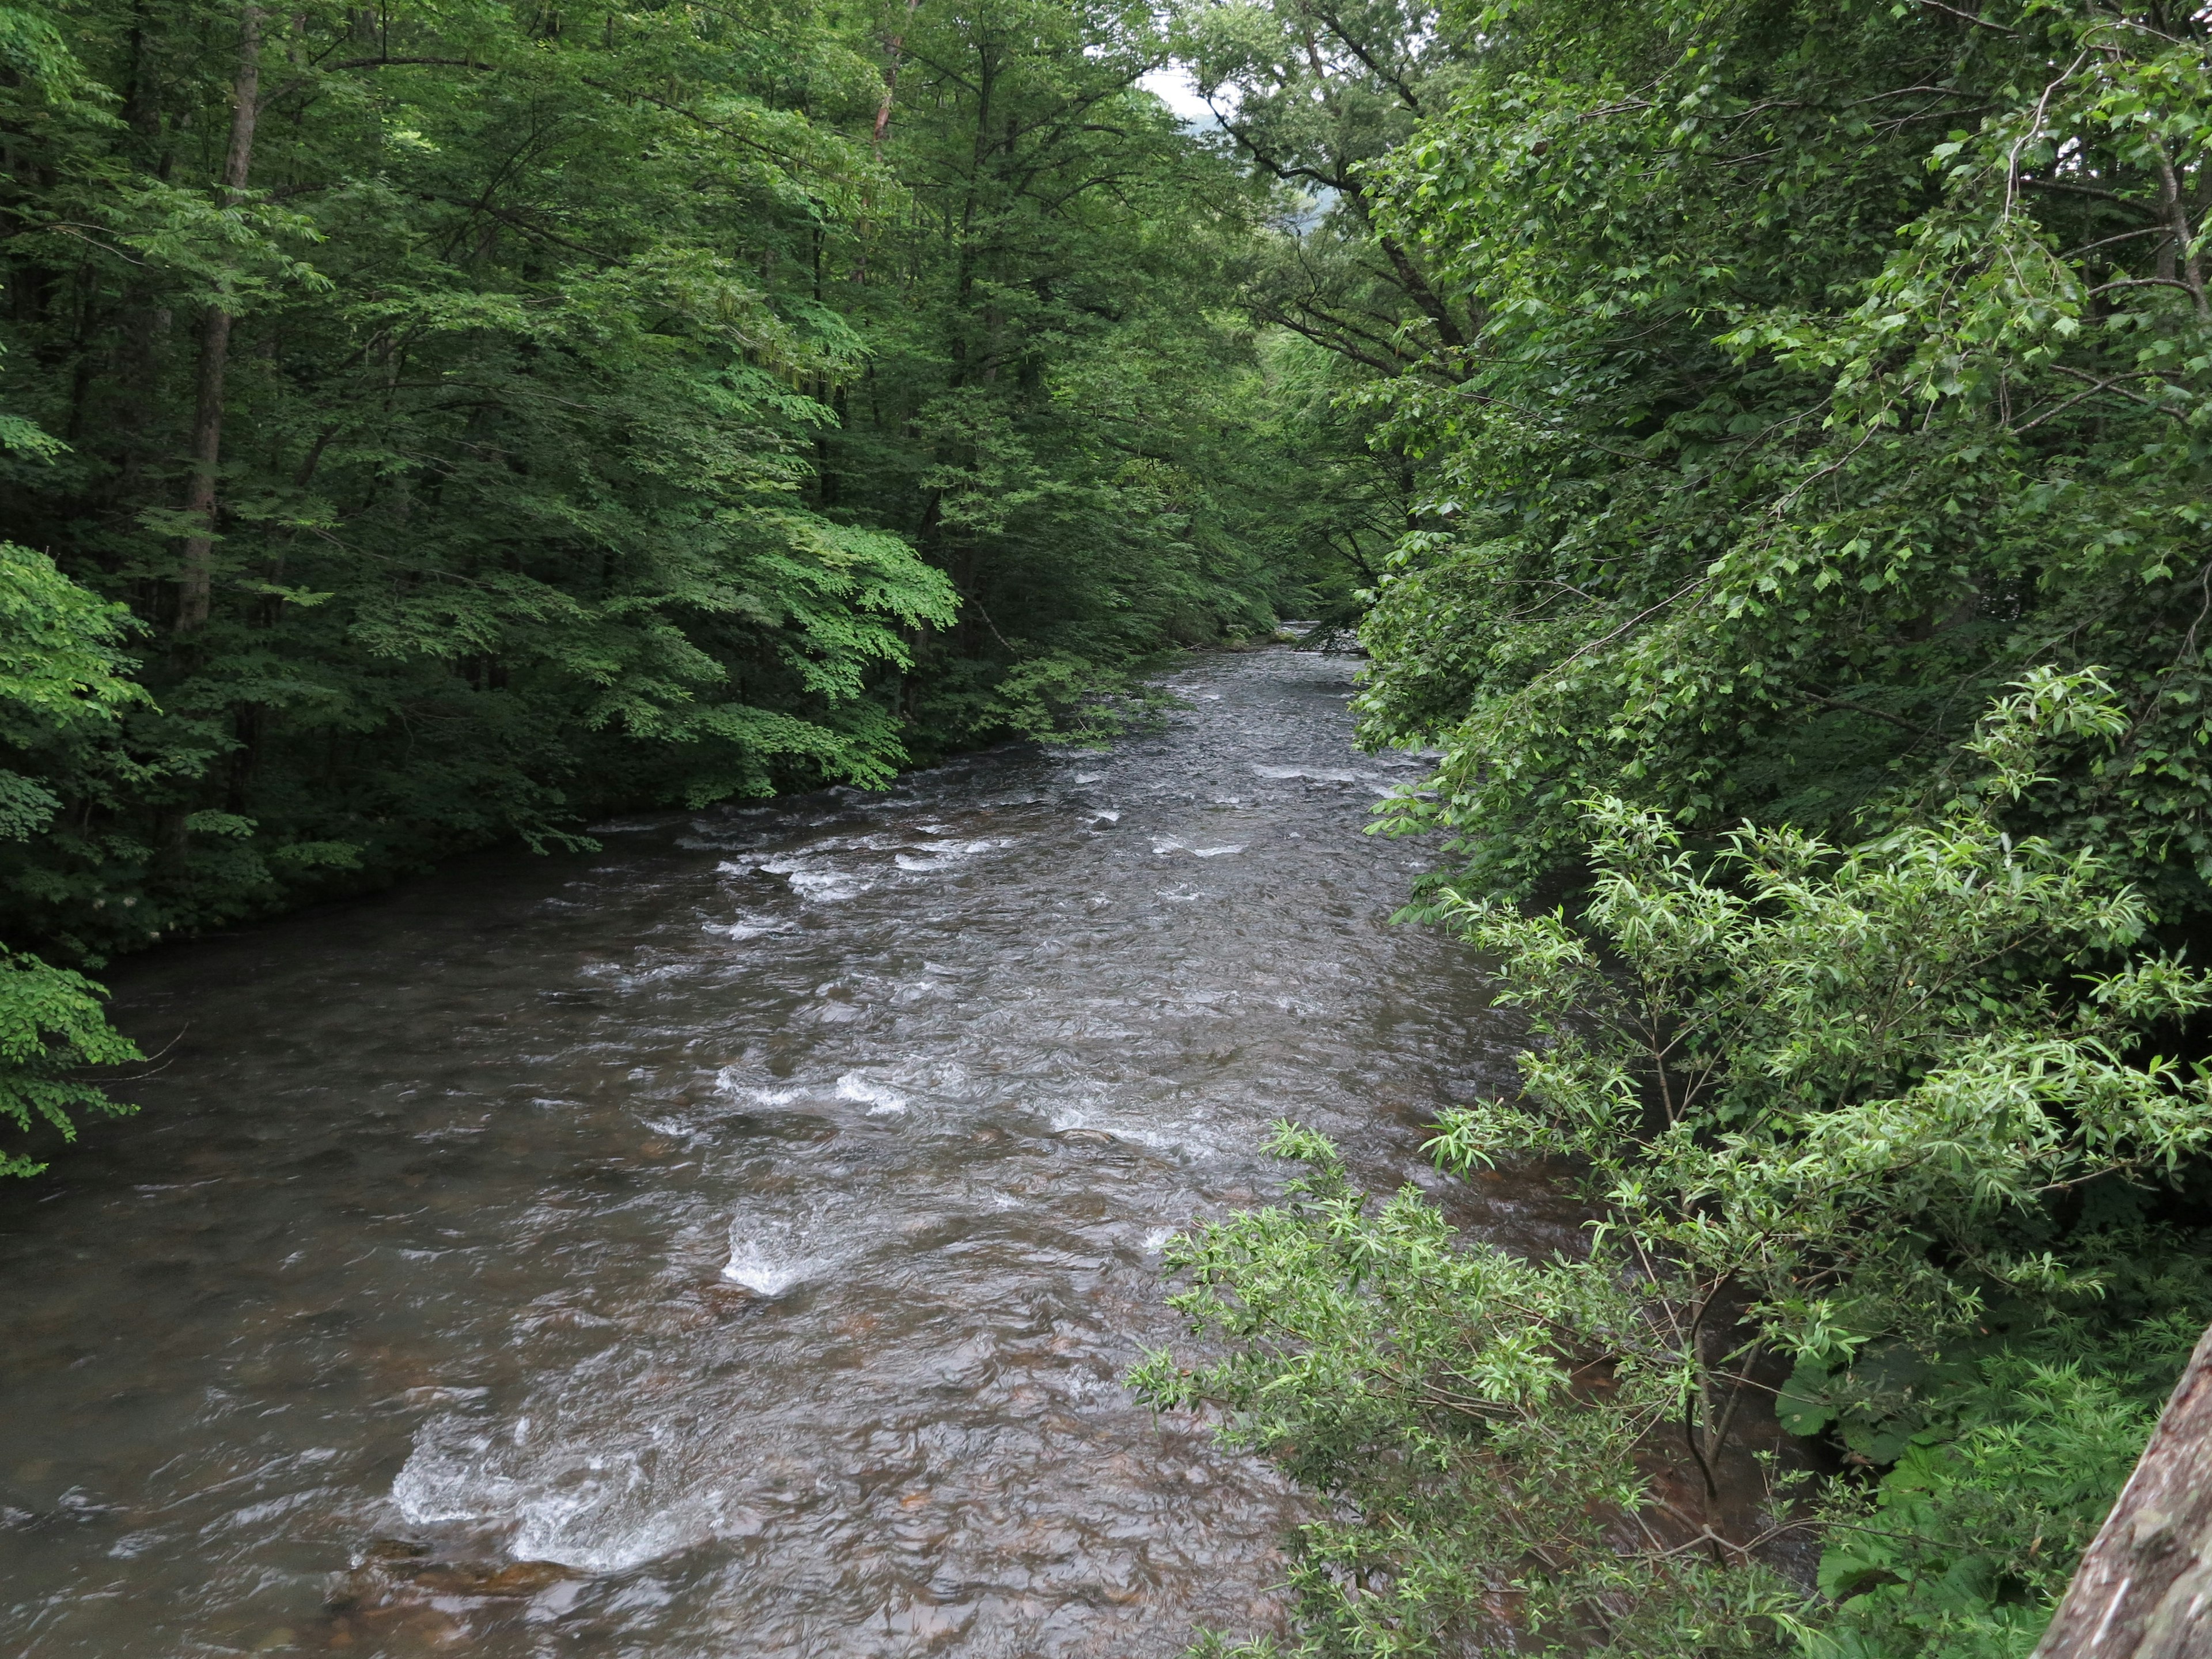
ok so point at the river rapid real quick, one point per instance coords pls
(729, 1243)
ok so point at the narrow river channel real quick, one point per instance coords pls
(729, 1243)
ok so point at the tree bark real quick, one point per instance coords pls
(894, 46)
(198, 581)
(2144, 1588)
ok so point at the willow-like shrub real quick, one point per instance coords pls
(1870, 1129)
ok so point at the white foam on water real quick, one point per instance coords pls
(943, 855)
(876, 840)
(450, 1476)
(730, 1081)
(671, 1129)
(769, 1254)
(1166, 846)
(1157, 1240)
(1197, 1139)
(880, 1101)
(764, 1273)
(1103, 816)
(825, 886)
(741, 931)
(435, 1394)
(593, 1508)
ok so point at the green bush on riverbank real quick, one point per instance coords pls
(1809, 404)
(1847, 1141)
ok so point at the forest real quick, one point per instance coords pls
(1761, 447)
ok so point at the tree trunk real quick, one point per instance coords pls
(199, 580)
(2144, 1588)
(894, 47)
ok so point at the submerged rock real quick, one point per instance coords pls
(397, 1571)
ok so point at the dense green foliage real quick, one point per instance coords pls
(1800, 411)
(469, 416)
(1313, 97)
(1763, 446)
(62, 685)
(1837, 364)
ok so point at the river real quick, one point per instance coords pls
(728, 1242)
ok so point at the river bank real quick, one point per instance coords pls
(749, 1225)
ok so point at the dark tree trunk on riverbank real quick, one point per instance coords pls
(2144, 1589)
(198, 584)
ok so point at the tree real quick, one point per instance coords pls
(478, 498)
(1043, 410)
(1315, 92)
(1837, 366)
(2139, 1592)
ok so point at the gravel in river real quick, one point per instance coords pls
(729, 1243)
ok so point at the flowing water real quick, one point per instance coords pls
(729, 1243)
